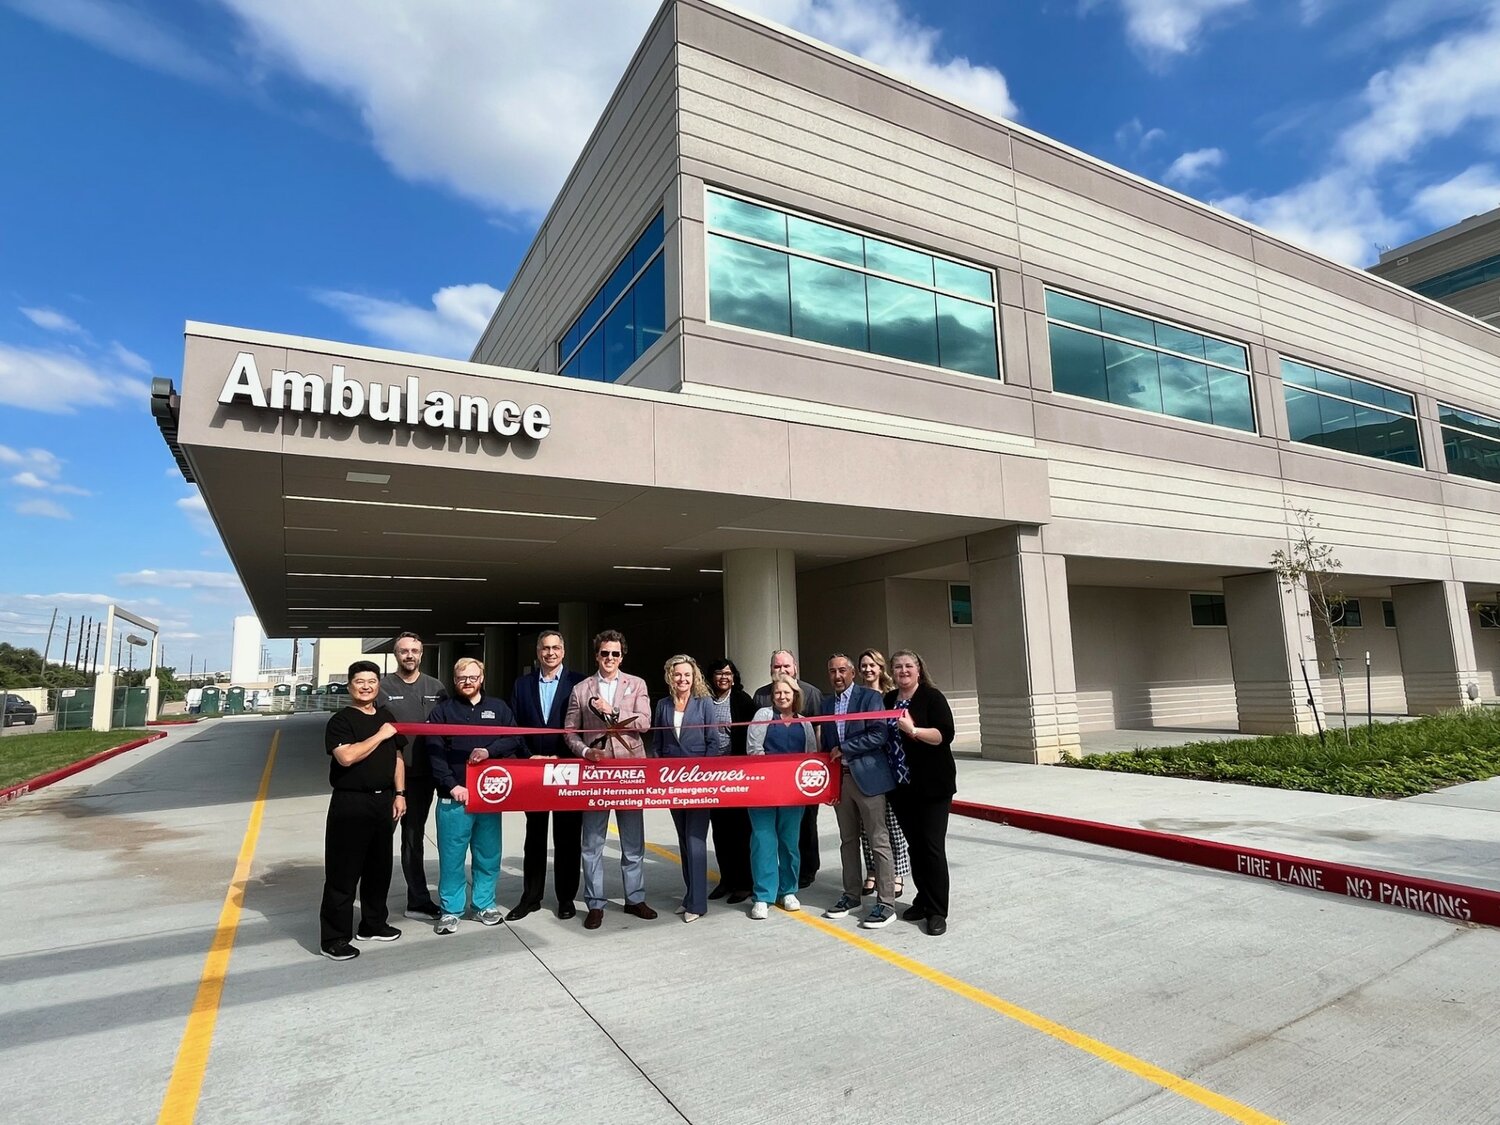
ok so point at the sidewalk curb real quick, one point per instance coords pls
(41, 781)
(1386, 888)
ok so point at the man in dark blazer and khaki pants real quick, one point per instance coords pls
(540, 699)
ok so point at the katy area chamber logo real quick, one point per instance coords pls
(494, 784)
(307, 392)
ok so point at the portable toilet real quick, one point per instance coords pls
(234, 701)
(211, 701)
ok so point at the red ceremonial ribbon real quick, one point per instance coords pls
(498, 731)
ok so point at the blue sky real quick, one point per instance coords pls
(373, 172)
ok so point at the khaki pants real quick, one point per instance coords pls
(857, 812)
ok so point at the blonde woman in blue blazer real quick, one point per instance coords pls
(687, 726)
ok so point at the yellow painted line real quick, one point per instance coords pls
(180, 1104)
(1172, 1083)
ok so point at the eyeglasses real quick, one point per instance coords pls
(467, 679)
(610, 653)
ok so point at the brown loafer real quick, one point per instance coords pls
(640, 910)
(594, 919)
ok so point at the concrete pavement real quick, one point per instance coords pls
(1273, 1000)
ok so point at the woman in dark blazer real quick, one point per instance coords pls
(926, 779)
(731, 826)
(687, 727)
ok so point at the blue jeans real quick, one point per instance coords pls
(774, 858)
(461, 833)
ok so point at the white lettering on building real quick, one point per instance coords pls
(297, 392)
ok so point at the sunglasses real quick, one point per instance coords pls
(610, 653)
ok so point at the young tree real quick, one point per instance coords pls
(1307, 560)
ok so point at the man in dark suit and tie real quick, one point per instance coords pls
(540, 699)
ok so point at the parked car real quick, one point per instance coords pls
(18, 710)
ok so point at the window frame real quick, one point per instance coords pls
(709, 230)
(1363, 458)
(953, 623)
(1445, 427)
(1099, 333)
(1342, 609)
(626, 290)
(1222, 603)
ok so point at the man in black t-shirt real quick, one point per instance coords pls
(410, 694)
(368, 779)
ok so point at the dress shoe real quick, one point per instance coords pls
(719, 891)
(567, 910)
(519, 911)
(593, 919)
(640, 910)
(936, 924)
(738, 896)
(914, 913)
(805, 881)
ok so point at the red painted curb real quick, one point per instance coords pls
(21, 788)
(1407, 892)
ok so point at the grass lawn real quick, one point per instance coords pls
(1388, 760)
(27, 755)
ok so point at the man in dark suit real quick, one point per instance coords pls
(867, 777)
(784, 663)
(540, 699)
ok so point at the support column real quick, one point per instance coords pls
(573, 624)
(499, 658)
(1023, 648)
(153, 688)
(1270, 635)
(1437, 646)
(104, 681)
(446, 655)
(760, 606)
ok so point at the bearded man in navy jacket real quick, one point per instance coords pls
(540, 699)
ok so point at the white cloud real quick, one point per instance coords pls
(53, 321)
(39, 470)
(182, 579)
(1159, 29)
(1473, 191)
(451, 327)
(124, 31)
(1448, 87)
(1194, 165)
(59, 382)
(1338, 215)
(883, 32)
(1135, 138)
(129, 359)
(196, 511)
(47, 509)
(1454, 85)
(28, 480)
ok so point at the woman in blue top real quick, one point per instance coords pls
(774, 857)
(687, 726)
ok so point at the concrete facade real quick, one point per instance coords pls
(730, 474)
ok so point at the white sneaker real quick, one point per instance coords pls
(759, 911)
(791, 904)
(447, 924)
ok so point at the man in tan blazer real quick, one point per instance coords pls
(606, 714)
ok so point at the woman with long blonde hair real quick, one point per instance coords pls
(873, 675)
(687, 726)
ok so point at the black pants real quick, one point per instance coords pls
(807, 843)
(567, 857)
(356, 851)
(419, 793)
(924, 820)
(731, 829)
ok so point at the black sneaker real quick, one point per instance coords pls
(340, 951)
(385, 933)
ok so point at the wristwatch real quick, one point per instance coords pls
(400, 792)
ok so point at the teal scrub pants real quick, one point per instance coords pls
(774, 858)
(463, 834)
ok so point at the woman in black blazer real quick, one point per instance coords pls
(686, 726)
(731, 826)
(926, 779)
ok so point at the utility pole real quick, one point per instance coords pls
(67, 636)
(98, 637)
(48, 646)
